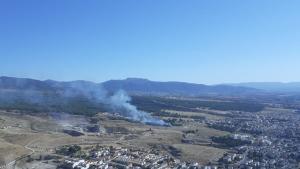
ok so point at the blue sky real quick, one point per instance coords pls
(202, 41)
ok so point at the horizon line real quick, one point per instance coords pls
(139, 78)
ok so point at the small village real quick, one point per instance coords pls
(103, 157)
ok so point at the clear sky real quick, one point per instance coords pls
(202, 41)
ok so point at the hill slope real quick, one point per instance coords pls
(144, 86)
(130, 85)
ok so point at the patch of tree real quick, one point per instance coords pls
(69, 150)
(118, 117)
(153, 104)
(174, 151)
(190, 131)
(65, 166)
(49, 157)
(229, 142)
(29, 159)
(174, 122)
(156, 104)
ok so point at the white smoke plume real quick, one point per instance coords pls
(120, 102)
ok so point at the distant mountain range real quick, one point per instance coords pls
(130, 85)
(293, 87)
(88, 97)
(144, 86)
(147, 87)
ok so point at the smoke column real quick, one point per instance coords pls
(120, 102)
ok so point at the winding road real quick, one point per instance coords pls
(11, 164)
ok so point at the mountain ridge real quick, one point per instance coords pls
(130, 85)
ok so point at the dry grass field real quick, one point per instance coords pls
(8, 151)
(205, 114)
(202, 154)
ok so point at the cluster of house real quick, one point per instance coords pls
(109, 157)
(274, 140)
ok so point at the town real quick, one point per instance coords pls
(264, 140)
(118, 157)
